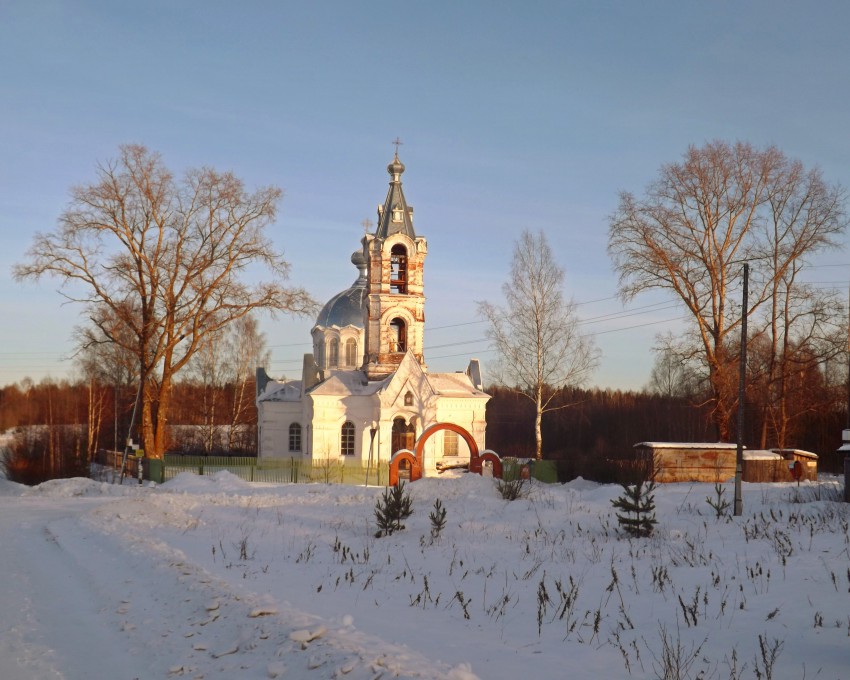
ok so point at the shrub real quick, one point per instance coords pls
(511, 489)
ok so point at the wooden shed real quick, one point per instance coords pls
(715, 462)
(689, 461)
(775, 465)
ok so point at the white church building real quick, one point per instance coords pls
(365, 391)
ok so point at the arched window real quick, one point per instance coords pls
(295, 438)
(333, 354)
(408, 398)
(398, 269)
(351, 352)
(449, 443)
(398, 336)
(320, 354)
(346, 442)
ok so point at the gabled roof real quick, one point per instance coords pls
(395, 206)
(341, 383)
(281, 391)
(408, 375)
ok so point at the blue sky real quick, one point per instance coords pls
(512, 116)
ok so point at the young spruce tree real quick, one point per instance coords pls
(638, 508)
(391, 509)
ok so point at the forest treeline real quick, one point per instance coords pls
(590, 426)
(61, 424)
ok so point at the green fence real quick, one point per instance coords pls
(296, 470)
(542, 470)
(274, 470)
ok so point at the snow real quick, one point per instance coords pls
(212, 577)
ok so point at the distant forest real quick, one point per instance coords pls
(593, 424)
(75, 419)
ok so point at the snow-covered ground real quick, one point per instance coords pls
(214, 578)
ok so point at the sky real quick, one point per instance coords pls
(210, 577)
(513, 116)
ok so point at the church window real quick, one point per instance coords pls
(320, 354)
(398, 270)
(398, 336)
(397, 214)
(351, 352)
(333, 358)
(449, 443)
(295, 438)
(408, 399)
(346, 444)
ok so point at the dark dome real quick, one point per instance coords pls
(347, 308)
(396, 167)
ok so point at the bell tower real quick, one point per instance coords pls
(395, 316)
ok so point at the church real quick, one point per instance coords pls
(365, 391)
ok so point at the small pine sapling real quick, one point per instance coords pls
(638, 508)
(391, 509)
(438, 519)
(719, 504)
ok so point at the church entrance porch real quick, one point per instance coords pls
(404, 435)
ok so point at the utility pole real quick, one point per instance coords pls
(845, 436)
(739, 455)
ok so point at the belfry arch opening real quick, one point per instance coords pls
(398, 336)
(398, 270)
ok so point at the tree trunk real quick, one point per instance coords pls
(538, 434)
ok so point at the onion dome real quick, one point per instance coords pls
(348, 307)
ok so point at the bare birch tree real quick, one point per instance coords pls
(697, 224)
(536, 333)
(160, 263)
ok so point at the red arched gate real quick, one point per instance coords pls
(407, 465)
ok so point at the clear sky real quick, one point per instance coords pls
(513, 115)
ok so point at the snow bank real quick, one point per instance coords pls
(8, 488)
(74, 487)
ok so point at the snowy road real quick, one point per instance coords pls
(52, 605)
(91, 593)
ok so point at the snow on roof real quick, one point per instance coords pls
(686, 445)
(347, 383)
(281, 391)
(453, 385)
(796, 452)
(761, 454)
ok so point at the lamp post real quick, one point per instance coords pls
(372, 431)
